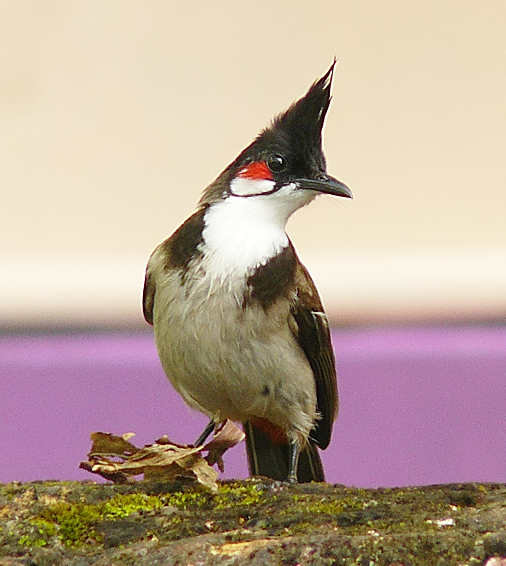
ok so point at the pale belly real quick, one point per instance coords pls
(230, 362)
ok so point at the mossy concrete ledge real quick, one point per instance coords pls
(250, 522)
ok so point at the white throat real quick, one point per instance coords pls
(240, 234)
(243, 232)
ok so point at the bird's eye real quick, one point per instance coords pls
(276, 163)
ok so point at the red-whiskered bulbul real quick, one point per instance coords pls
(239, 326)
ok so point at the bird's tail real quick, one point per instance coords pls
(270, 456)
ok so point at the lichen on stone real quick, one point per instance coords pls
(260, 521)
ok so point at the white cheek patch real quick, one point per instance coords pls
(242, 186)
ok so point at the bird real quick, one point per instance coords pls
(239, 325)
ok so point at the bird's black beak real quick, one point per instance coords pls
(324, 183)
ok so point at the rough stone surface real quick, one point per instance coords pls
(250, 522)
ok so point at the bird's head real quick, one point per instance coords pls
(285, 163)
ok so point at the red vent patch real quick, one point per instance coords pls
(274, 432)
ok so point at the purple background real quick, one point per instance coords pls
(418, 405)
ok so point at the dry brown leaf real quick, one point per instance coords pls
(95, 465)
(226, 437)
(107, 443)
(206, 475)
(116, 459)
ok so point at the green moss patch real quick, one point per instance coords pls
(460, 524)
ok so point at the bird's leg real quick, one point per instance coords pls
(294, 460)
(211, 425)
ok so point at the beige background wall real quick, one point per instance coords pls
(115, 114)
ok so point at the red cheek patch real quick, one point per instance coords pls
(257, 170)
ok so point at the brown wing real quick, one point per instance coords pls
(176, 253)
(312, 333)
(148, 296)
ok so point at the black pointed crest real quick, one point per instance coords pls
(296, 134)
(305, 117)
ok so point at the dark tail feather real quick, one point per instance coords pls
(269, 459)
